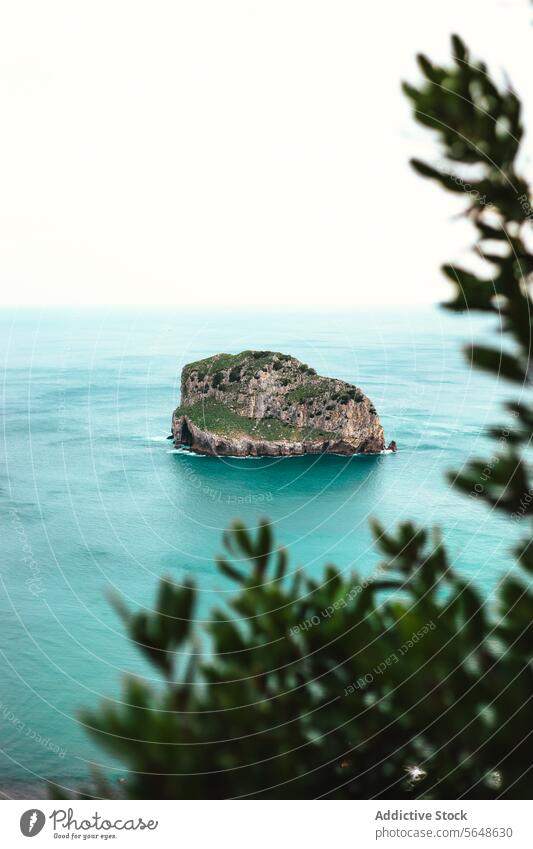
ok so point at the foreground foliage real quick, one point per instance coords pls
(401, 685)
(220, 419)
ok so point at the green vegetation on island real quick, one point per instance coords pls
(247, 361)
(265, 403)
(403, 684)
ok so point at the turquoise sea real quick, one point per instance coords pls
(94, 499)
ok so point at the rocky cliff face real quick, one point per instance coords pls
(263, 403)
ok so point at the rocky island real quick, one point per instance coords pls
(268, 404)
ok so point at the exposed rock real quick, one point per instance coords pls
(263, 403)
(392, 446)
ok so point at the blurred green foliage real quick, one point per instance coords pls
(402, 685)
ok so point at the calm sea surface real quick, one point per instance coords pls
(94, 499)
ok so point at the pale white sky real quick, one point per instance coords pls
(229, 152)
